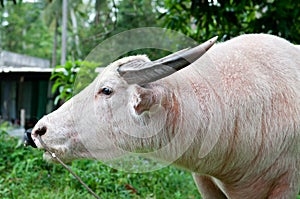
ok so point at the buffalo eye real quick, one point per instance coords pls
(106, 91)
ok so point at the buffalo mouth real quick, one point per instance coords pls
(51, 155)
(49, 158)
(65, 154)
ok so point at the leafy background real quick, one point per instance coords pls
(35, 28)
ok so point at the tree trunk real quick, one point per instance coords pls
(97, 10)
(24, 46)
(64, 32)
(75, 31)
(55, 43)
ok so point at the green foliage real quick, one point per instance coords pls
(22, 30)
(23, 174)
(64, 77)
(71, 78)
(113, 18)
(29, 28)
(204, 19)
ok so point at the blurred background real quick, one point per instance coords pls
(43, 43)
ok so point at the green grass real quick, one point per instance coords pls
(23, 174)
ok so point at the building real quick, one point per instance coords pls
(24, 84)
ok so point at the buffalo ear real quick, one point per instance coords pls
(143, 100)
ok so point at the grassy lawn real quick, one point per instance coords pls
(23, 174)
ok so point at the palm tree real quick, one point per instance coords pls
(56, 15)
(64, 32)
(2, 2)
(51, 17)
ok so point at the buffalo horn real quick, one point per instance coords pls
(145, 72)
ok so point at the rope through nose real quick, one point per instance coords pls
(66, 167)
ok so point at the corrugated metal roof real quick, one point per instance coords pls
(14, 62)
(11, 69)
(18, 60)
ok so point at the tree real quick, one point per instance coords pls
(204, 19)
(51, 16)
(64, 32)
(20, 26)
(91, 22)
(2, 2)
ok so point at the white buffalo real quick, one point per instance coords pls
(231, 117)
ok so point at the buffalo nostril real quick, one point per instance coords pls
(28, 141)
(41, 131)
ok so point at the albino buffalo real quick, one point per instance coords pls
(231, 117)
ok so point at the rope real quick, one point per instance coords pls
(66, 167)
